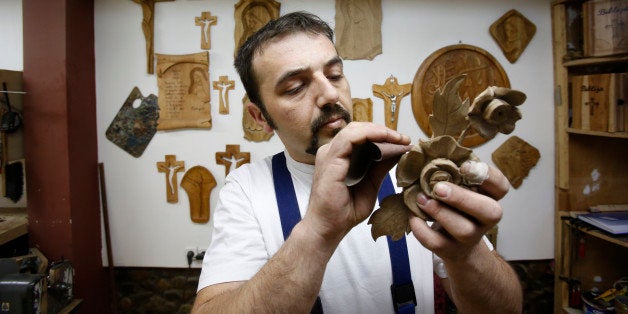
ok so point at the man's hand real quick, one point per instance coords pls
(335, 208)
(461, 216)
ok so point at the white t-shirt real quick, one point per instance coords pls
(246, 233)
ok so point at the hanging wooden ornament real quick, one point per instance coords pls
(362, 109)
(232, 155)
(205, 21)
(170, 167)
(392, 93)
(223, 86)
(515, 158)
(148, 27)
(198, 183)
(512, 32)
(358, 28)
(250, 16)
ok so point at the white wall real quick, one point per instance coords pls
(148, 231)
(11, 55)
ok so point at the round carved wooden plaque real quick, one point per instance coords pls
(481, 68)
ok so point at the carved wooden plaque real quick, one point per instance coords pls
(512, 32)
(482, 71)
(232, 155)
(252, 130)
(205, 21)
(358, 29)
(392, 93)
(362, 109)
(170, 167)
(198, 183)
(250, 16)
(148, 28)
(183, 91)
(133, 128)
(515, 158)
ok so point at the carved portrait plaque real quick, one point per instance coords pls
(481, 68)
(183, 82)
(515, 158)
(513, 33)
(362, 109)
(358, 29)
(198, 183)
(250, 16)
(252, 130)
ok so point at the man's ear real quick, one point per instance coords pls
(257, 115)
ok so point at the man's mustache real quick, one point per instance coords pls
(327, 112)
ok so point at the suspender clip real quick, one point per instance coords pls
(403, 295)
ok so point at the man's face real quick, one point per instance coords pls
(303, 87)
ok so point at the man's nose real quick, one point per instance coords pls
(327, 93)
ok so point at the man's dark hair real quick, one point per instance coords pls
(287, 24)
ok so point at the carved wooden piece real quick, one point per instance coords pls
(358, 28)
(250, 16)
(205, 21)
(148, 27)
(170, 167)
(481, 68)
(183, 91)
(133, 128)
(392, 93)
(362, 109)
(198, 183)
(224, 85)
(512, 32)
(515, 158)
(252, 130)
(232, 155)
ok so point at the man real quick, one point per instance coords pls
(294, 78)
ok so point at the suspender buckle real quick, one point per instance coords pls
(403, 295)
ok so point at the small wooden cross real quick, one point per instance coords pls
(148, 27)
(170, 167)
(224, 85)
(392, 93)
(592, 103)
(205, 21)
(232, 152)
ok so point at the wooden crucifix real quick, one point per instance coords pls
(392, 93)
(171, 167)
(148, 27)
(205, 21)
(223, 85)
(232, 154)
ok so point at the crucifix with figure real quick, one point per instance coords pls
(171, 167)
(148, 27)
(392, 93)
(232, 155)
(205, 21)
(223, 85)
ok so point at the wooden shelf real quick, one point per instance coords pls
(595, 61)
(593, 231)
(13, 223)
(598, 133)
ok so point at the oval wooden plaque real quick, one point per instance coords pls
(481, 68)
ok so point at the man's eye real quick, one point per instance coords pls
(294, 90)
(335, 77)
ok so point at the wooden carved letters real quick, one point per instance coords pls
(171, 167)
(223, 85)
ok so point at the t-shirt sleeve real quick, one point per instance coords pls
(237, 250)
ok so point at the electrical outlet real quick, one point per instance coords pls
(195, 252)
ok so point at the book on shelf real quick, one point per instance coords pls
(604, 27)
(599, 102)
(612, 222)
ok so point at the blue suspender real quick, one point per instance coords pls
(402, 289)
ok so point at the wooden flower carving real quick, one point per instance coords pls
(495, 110)
(441, 158)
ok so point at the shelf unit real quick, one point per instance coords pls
(591, 169)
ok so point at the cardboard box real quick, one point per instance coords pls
(605, 27)
(598, 101)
